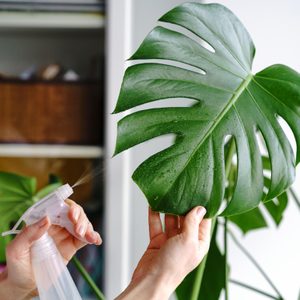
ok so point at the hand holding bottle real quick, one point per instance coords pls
(17, 280)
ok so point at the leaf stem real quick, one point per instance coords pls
(200, 271)
(225, 257)
(294, 195)
(88, 278)
(256, 264)
(254, 289)
(228, 164)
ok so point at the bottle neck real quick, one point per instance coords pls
(43, 248)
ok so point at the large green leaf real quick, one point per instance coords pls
(249, 220)
(16, 195)
(231, 102)
(255, 219)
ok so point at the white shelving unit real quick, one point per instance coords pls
(51, 20)
(34, 40)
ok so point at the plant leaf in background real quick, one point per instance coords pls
(213, 280)
(47, 190)
(17, 194)
(177, 63)
(255, 218)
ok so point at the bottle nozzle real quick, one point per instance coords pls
(64, 192)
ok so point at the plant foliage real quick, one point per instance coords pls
(17, 193)
(203, 52)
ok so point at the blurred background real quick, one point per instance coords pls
(61, 66)
(52, 61)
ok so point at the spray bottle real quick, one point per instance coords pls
(52, 277)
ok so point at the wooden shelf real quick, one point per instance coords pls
(50, 113)
(56, 20)
(50, 151)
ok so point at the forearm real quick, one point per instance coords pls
(9, 292)
(150, 288)
(5, 292)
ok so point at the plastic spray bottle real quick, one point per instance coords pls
(52, 277)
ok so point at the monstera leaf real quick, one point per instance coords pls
(204, 53)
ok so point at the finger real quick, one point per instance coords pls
(171, 223)
(89, 236)
(24, 240)
(205, 231)
(82, 224)
(74, 211)
(193, 220)
(92, 236)
(97, 237)
(85, 228)
(155, 226)
(58, 233)
(181, 222)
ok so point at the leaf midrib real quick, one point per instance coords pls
(229, 105)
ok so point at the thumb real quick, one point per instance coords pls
(24, 240)
(193, 220)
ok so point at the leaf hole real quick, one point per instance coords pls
(166, 103)
(168, 63)
(189, 34)
(289, 133)
(267, 167)
(261, 143)
(231, 169)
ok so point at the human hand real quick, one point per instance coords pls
(171, 254)
(18, 274)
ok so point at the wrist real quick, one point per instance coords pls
(151, 287)
(9, 291)
(160, 286)
(5, 287)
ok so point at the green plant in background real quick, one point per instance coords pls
(17, 194)
(204, 53)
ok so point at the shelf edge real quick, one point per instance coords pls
(50, 151)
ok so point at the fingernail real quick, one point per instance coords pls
(201, 211)
(43, 222)
(95, 237)
(81, 230)
(98, 239)
(76, 214)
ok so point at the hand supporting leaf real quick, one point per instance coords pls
(230, 102)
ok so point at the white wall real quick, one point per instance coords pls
(126, 208)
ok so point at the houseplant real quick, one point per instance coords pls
(202, 52)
